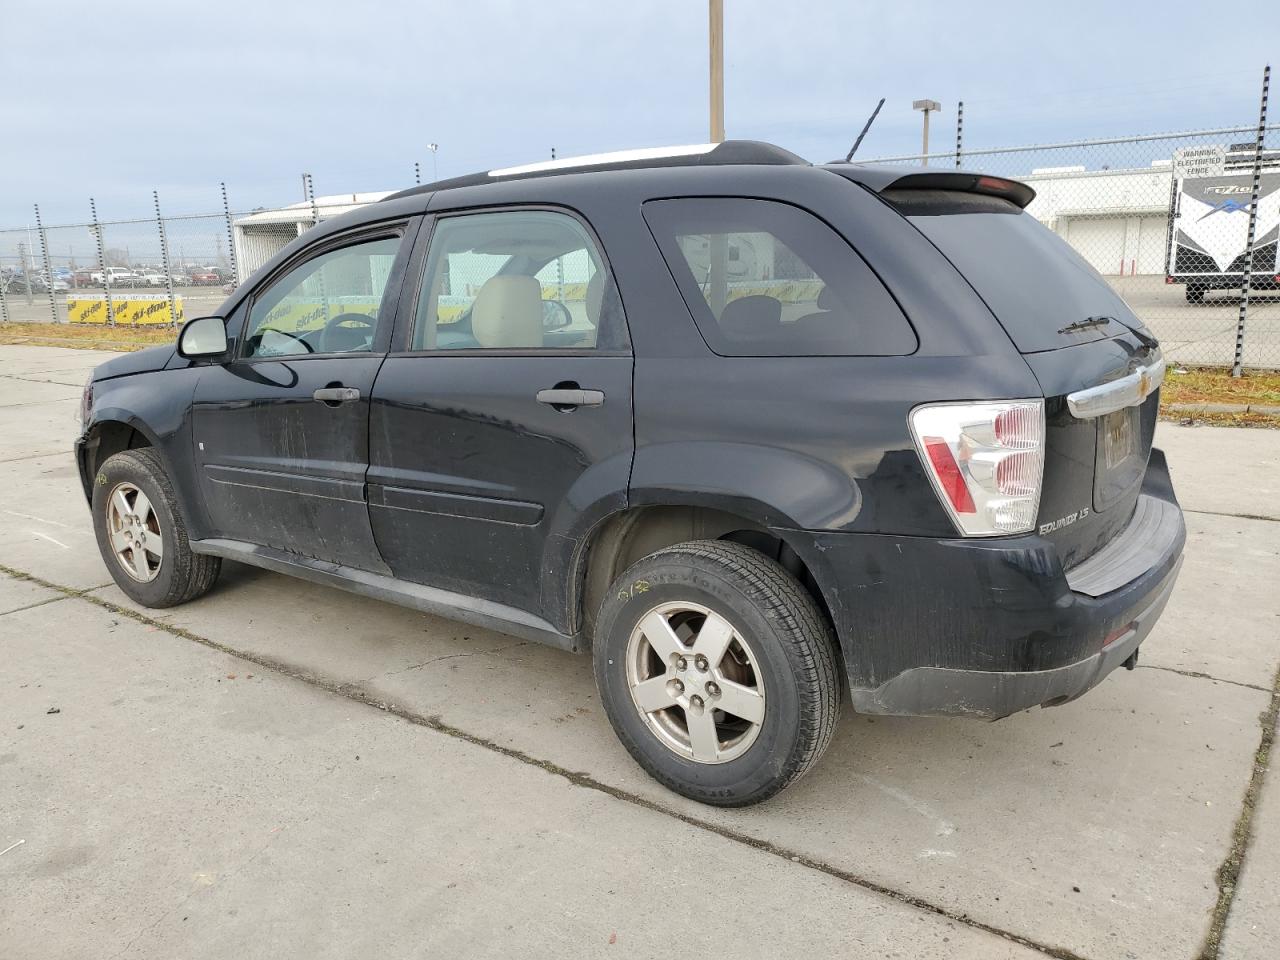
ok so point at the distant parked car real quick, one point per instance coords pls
(229, 287)
(204, 278)
(117, 277)
(152, 278)
(180, 279)
(40, 284)
(82, 278)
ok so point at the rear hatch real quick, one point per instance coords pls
(1074, 332)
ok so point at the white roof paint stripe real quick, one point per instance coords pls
(598, 159)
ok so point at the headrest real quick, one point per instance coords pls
(826, 299)
(751, 318)
(595, 298)
(508, 312)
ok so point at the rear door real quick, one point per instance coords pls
(282, 429)
(501, 424)
(1075, 333)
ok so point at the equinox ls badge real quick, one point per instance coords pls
(1061, 522)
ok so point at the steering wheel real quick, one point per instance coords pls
(335, 322)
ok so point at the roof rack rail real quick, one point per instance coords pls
(689, 155)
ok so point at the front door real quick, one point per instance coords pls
(282, 430)
(502, 428)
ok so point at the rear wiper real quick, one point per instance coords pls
(1086, 324)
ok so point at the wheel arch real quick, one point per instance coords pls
(631, 534)
(107, 436)
(115, 430)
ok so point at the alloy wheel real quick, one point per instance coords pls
(133, 528)
(695, 682)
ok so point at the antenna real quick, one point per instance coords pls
(865, 127)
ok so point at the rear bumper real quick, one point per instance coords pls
(988, 627)
(990, 694)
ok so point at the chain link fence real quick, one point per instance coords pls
(1165, 218)
(159, 270)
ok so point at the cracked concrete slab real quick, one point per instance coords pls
(1253, 925)
(1233, 470)
(1130, 794)
(185, 803)
(1221, 627)
(15, 594)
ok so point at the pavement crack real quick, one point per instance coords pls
(1235, 516)
(449, 656)
(1227, 875)
(357, 694)
(32, 606)
(34, 456)
(1197, 675)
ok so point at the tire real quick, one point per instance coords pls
(781, 650)
(174, 575)
(1194, 293)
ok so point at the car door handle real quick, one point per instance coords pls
(336, 395)
(571, 397)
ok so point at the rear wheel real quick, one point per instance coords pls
(141, 534)
(1195, 293)
(717, 671)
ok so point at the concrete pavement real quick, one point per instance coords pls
(493, 813)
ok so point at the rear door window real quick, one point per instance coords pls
(767, 279)
(1033, 281)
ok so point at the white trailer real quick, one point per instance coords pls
(1209, 220)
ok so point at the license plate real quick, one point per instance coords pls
(1117, 438)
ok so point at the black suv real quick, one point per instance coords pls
(761, 435)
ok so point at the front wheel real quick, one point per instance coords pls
(717, 671)
(141, 534)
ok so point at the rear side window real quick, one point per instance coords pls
(766, 279)
(1031, 278)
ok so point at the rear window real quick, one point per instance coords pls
(1032, 280)
(766, 279)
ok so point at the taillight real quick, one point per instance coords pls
(986, 462)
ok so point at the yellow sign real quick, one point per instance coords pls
(313, 313)
(127, 311)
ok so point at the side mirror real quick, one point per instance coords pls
(203, 337)
(555, 315)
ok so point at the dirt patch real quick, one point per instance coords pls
(83, 337)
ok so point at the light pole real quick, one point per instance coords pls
(926, 107)
(716, 39)
(718, 279)
(435, 170)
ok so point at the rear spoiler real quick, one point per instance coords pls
(880, 178)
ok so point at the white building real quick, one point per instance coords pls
(260, 236)
(1117, 219)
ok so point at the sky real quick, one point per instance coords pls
(116, 100)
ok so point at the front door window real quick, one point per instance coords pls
(331, 303)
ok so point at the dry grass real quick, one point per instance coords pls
(86, 337)
(1216, 385)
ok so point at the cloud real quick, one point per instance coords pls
(114, 101)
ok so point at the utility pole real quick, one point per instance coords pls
(926, 107)
(716, 9)
(718, 286)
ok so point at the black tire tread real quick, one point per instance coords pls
(193, 574)
(800, 622)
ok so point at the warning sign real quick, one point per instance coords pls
(1207, 161)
